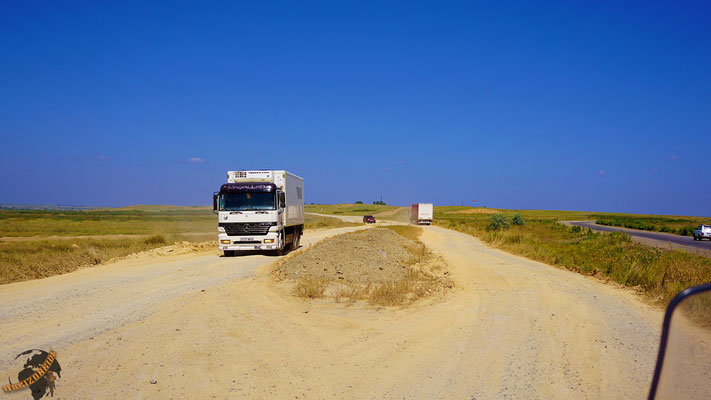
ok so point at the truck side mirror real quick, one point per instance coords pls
(214, 202)
(282, 200)
(684, 359)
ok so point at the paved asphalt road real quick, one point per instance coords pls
(657, 239)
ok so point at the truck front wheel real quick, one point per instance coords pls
(280, 251)
(296, 240)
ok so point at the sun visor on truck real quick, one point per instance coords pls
(248, 187)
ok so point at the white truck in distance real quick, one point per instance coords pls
(421, 213)
(259, 210)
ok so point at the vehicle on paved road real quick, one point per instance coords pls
(368, 219)
(702, 232)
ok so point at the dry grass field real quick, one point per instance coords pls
(349, 209)
(40, 243)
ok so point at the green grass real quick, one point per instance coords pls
(105, 222)
(659, 273)
(679, 226)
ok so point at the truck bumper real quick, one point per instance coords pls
(270, 241)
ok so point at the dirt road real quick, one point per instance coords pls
(512, 328)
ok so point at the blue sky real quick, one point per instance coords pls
(601, 106)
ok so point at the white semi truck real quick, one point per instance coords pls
(421, 213)
(259, 210)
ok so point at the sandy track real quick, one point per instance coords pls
(513, 328)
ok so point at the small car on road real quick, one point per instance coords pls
(368, 219)
(702, 232)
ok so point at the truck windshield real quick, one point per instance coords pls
(246, 201)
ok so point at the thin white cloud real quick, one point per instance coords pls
(654, 169)
(388, 169)
(195, 160)
(672, 157)
(601, 173)
(400, 162)
(102, 157)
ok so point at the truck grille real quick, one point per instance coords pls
(246, 229)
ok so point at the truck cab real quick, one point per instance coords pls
(259, 210)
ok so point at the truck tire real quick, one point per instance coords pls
(296, 240)
(280, 252)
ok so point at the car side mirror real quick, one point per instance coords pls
(282, 200)
(684, 358)
(214, 202)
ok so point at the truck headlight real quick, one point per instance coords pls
(268, 240)
(224, 241)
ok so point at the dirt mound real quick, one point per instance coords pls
(376, 264)
(374, 255)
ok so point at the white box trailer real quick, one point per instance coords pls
(422, 213)
(260, 210)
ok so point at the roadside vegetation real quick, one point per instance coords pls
(106, 222)
(348, 209)
(659, 273)
(25, 260)
(320, 222)
(26, 253)
(381, 266)
(677, 226)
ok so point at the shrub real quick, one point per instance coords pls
(517, 219)
(391, 293)
(358, 202)
(687, 230)
(155, 239)
(379, 203)
(497, 221)
(311, 288)
(620, 236)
